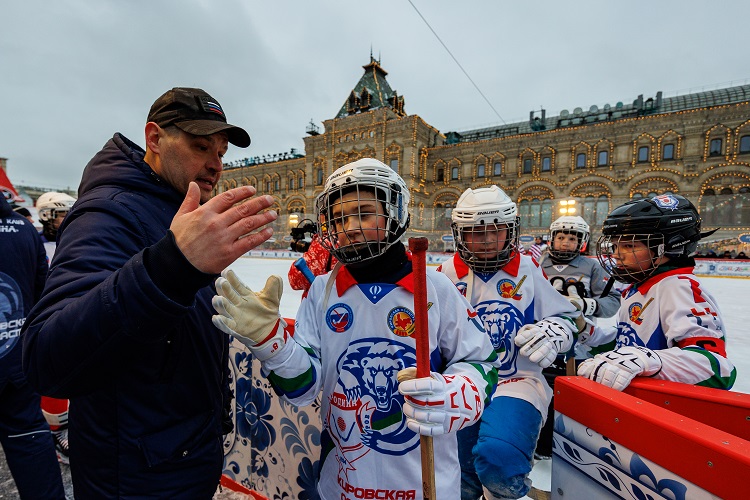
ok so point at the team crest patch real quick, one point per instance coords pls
(401, 321)
(461, 286)
(666, 201)
(509, 290)
(339, 317)
(634, 312)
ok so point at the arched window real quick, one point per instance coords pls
(602, 159)
(276, 185)
(441, 174)
(667, 152)
(745, 144)
(394, 165)
(546, 215)
(454, 173)
(301, 182)
(527, 166)
(319, 177)
(643, 154)
(290, 184)
(480, 170)
(497, 169)
(714, 148)
(602, 209)
(708, 202)
(581, 160)
(546, 164)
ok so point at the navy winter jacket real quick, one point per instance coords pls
(124, 331)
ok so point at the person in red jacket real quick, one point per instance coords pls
(315, 261)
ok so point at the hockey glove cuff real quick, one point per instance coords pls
(250, 317)
(439, 404)
(617, 368)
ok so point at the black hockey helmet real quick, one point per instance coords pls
(672, 216)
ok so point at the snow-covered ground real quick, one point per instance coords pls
(731, 293)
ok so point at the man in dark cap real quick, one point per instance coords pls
(124, 327)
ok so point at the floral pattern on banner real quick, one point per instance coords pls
(615, 467)
(274, 448)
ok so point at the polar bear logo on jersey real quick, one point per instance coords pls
(502, 321)
(369, 408)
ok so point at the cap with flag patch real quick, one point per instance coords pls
(195, 112)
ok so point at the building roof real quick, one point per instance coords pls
(640, 107)
(371, 92)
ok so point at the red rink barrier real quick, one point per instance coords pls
(658, 439)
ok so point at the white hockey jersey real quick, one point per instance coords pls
(673, 314)
(351, 345)
(516, 295)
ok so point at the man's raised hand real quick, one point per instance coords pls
(213, 235)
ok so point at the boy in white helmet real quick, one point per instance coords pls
(353, 335)
(583, 281)
(52, 208)
(528, 322)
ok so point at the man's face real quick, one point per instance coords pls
(485, 241)
(186, 158)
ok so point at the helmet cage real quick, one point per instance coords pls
(610, 254)
(474, 241)
(382, 200)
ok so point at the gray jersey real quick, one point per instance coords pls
(589, 272)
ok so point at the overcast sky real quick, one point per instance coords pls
(75, 71)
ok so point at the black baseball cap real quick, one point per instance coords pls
(195, 112)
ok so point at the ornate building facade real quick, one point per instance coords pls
(582, 162)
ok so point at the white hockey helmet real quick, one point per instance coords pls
(49, 204)
(569, 224)
(370, 179)
(478, 213)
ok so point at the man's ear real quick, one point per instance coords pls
(153, 134)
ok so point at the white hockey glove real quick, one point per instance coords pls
(543, 341)
(617, 368)
(252, 318)
(439, 404)
(586, 305)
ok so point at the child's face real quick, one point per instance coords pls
(358, 217)
(634, 255)
(563, 242)
(485, 241)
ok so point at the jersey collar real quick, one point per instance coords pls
(646, 285)
(345, 280)
(511, 267)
